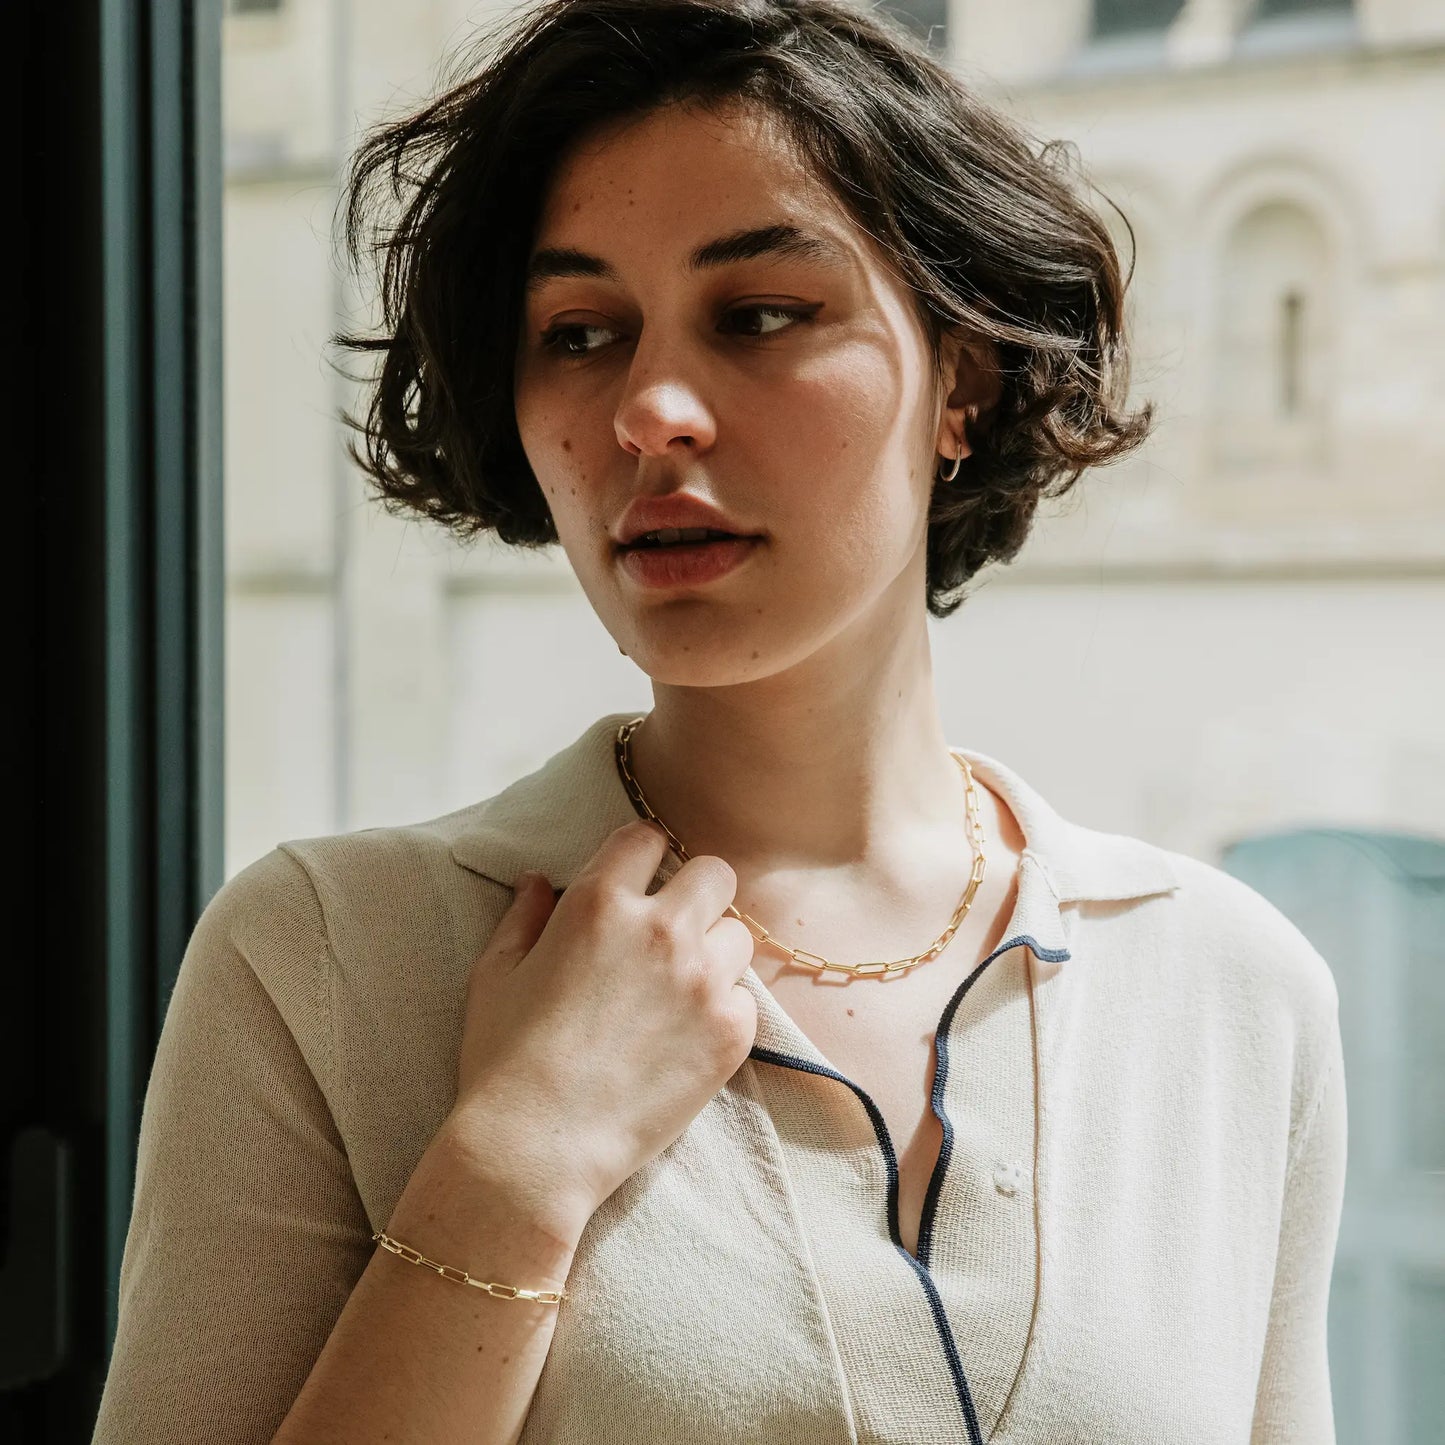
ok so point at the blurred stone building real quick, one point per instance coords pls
(1242, 618)
(1245, 623)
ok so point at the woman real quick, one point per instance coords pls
(866, 1098)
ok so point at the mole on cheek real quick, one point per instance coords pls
(566, 444)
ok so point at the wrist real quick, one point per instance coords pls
(531, 1189)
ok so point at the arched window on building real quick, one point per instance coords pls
(1283, 27)
(1274, 363)
(1133, 17)
(1373, 904)
(1269, 9)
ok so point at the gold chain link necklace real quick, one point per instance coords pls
(622, 749)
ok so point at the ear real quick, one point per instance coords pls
(972, 366)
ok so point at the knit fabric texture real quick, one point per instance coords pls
(1129, 1234)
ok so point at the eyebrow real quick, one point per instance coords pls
(781, 241)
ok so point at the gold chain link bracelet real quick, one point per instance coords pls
(501, 1291)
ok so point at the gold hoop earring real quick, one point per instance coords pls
(971, 414)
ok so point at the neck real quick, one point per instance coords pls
(837, 765)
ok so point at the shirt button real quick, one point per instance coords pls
(1008, 1177)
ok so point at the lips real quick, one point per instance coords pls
(674, 511)
(686, 564)
(681, 537)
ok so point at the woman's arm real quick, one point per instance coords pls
(251, 1292)
(418, 1358)
(246, 1232)
(1293, 1405)
(253, 1298)
(250, 1254)
(595, 1029)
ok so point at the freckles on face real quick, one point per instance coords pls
(786, 384)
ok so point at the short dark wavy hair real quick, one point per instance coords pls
(991, 230)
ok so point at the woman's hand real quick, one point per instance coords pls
(598, 1025)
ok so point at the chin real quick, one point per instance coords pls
(673, 654)
(693, 642)
(669, 669)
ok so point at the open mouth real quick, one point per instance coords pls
(686, 558)
(683, 538)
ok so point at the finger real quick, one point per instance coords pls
(731, 941)
(729, 945)
(743, 1008)
(630, 854)
(700, 892)
(520, 927)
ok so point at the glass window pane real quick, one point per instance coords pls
(1422, 1035)
(1268, 9)
(1422, 1379)
(1129, 17)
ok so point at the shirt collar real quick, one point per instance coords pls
(1083, 865)
(554, 819)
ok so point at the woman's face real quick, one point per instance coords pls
(783, 379)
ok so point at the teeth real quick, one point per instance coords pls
(666, 536)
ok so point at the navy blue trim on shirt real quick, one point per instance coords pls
(940, 1082)
(935, 1182)
(885, 1142)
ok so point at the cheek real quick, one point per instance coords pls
(552, 445)
(564, 486)
(847, 408)
(843, 452)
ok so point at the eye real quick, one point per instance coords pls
(560, 338)
(578, 338)
(789, 314)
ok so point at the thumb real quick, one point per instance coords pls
(521, 925)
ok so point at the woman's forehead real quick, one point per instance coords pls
(676, 127)
(686, 181)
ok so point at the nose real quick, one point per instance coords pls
(662, 405)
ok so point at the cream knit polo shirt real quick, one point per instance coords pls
(1127, 1238)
